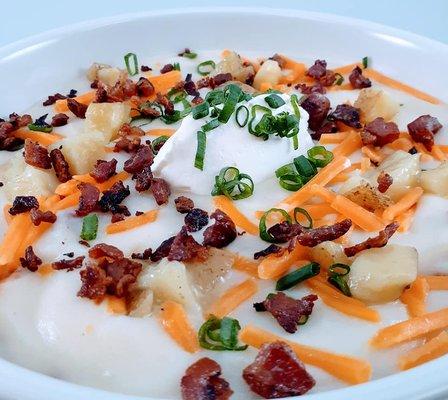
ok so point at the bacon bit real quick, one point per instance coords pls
(121, 91)
(183, 204)
(222, 232)
(105, 250)
(378, 241)
(163, 250)
(423, 129)
(104, 170)
(316, 88)
(112, 198)
(358, 80)
(77, 108)
(197, 100)
(272, 249)
(36, 155)
(145, 68)
(7, 141)
(202, 381)
(117, 218)
(139, 160)
(129, 130)
(379, 133)
(384, 181)
(166, 103)
(129, 145)
(320, 73)
(185, 248)
(84, 243)
(37, 217)
(317, 106)
(94, 282)
(277, 372)
(313, 237)
(214, 81)
(143, 179)
(160, 190)
(144, 87)
(68, 265)
(190, 87)
(20, 121)
(167, 68)
(284, 231)
(88, 199)
(101, 95)
(60, 165)
(346, 114)
(328, 127)
(30, 261)
(53, 98)
(146, 255)
(23, 204)
(124, 272)
(196, 219)
(287, 311)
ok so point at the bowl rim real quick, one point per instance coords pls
(425, 381)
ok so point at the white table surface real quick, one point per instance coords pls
(22, 18)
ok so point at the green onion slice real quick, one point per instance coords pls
(200, 150)
(320, 156)
(40, 125)
(260, 130)
(215, 97)
(220, 334)
(339, 269)
(336, 276)
(264, 234)
(365, 62)
(204, 68)
(291, 182)
(242, 116)
(131, 63)
(299, 210)
(274, 100)
(305, 168)
(176, 66)
(285, 169)
(178, 114)
(232, 184)
(339, 79)
(210, 125)
(89, 227)
(200, 111)
(232, 95)
(292, 279)
(157, 142)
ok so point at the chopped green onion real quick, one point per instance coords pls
(215, 97)
(176, 66)
(264, 234)
(177, 115)
(259, 130)
(242, 110)
(220, 334)
(131, 63)
(339, 269)
(232, 184)
(291, 182)
(204, 68)
(158, 142)
(176, 96)
(232, 95)
(339, 79)
(200, 150)
(295, 105)
(200, 111)
(299, 210)
(365, 62)
(320, 156)
(295, 141)
(40, 125)
(305, 168)
(285, 169)
(336, 274)
(188, 54)
(274, 100)
(210, 125)
(89, 227)
(297, 276)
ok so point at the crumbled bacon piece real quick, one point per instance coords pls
(196, 219)
(423, 129)
(94, 282)
(23, 204)
(88, 199)
(317, 106)
(163, 250)
(277, 372)
(202, 381)
(37, 216)
(222, 232)
(288, 312)
(197, 100)
(167, 68)
(36, 155)
(146, 255)
(143, 179)
(320, 73)
(129, 130)
(117, 217)
(328, 127)
(105, 250)
(123, 272)
(183, 204)
(144, 87)
(358, 80)
(346, 114)
(316, 88)
(20, 121)
(167, 104)
(68, 265)
(77, 108)
(214, 81)
(185, 248)
(53, 98)
(129, 145)
(160, 190)
(384, 181)
(30, 261)
(145, 68)
(272, 249)
(121, 91)
(378, 241)
(379, 132)
(59, 119)
(313, 237)
(139, 160)
(112, 198)
(60, 165)
(103, 170)
(284, 231)
(190, 88)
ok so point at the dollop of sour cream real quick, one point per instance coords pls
(229, 145)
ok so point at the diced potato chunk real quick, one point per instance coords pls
(81, 152)
(107, 118)
(232, 64)
(141, 303)
(328, 253)
(110, 76)
(380, 275)
(435, 180)
(269, 72)
(375, 103)
(368, 197)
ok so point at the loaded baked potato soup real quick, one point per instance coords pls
(206, 226)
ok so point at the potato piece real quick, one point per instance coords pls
(141, 303)
(404, 168)
(269, 72)
(380, 275)
(435, 180)
(328, 253)
(232, 64)
(368, 197)
(92, 72)
(82, 151)
(107, 118)
(375, 103)
(22, 179)
(110, 76)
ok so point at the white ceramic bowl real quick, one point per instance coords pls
(33, 68)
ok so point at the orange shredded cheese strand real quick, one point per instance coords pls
(437, 282)
(401, 143)
(348, 369)
(372, 154)
(275, 265)
(265, 86)
(164, 82)
(297, 71)
(66, 188)
(415, 297)
(85, 98)
(232, 298)
(332, 138)
(12, 238)
(175, 322)
(349, 145)
(405, 203)
(243, 264)
(437, 153)
(405, 219)
(227, 205)
(45, 139)
(161, 132)
(45, 270)
(132, 222)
